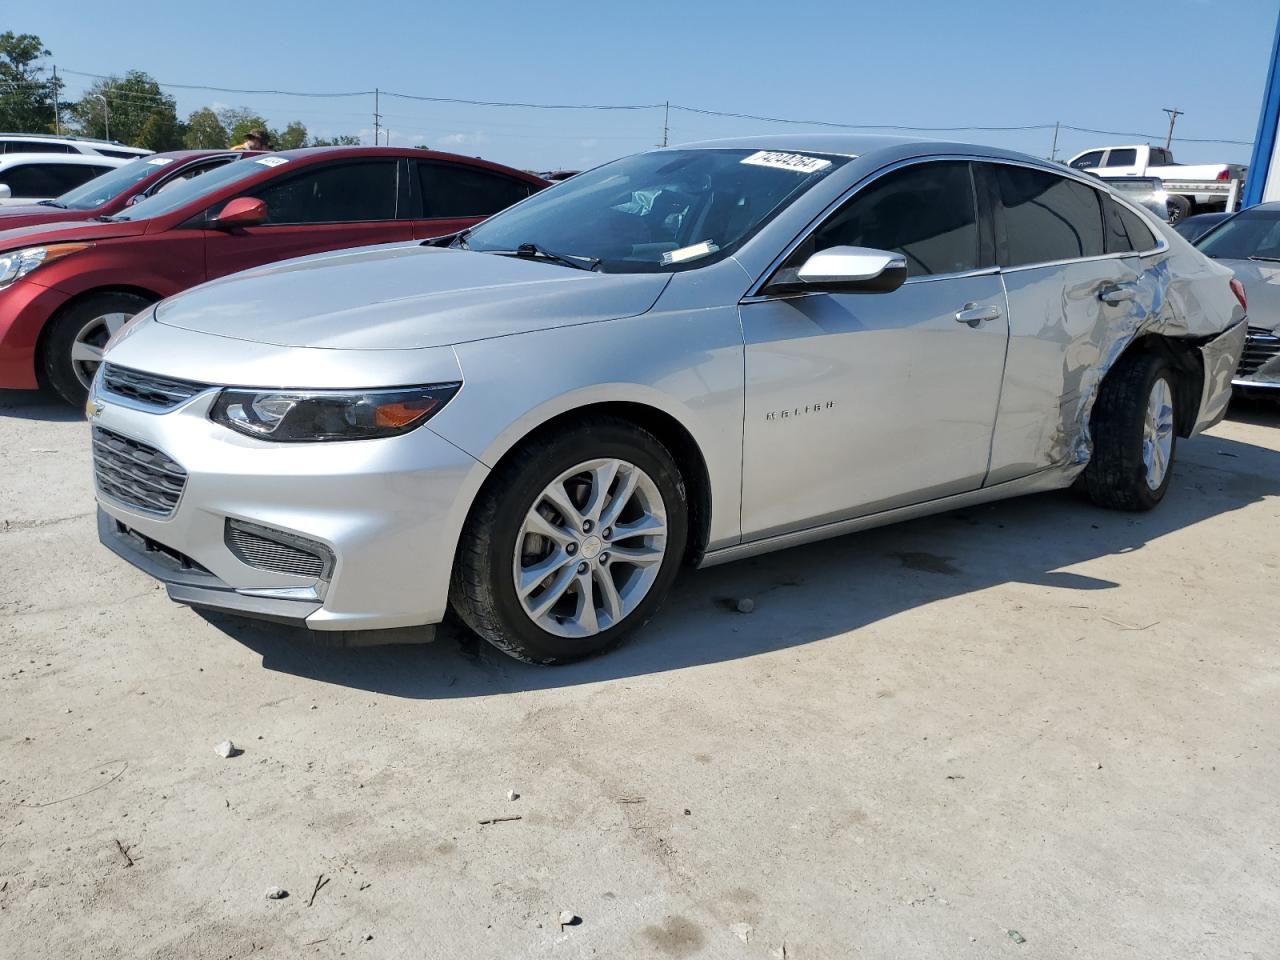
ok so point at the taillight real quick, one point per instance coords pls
(1224, 175)
(1238, 289)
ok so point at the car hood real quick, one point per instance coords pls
(1261, 281)
(68, 232)
(28, 215)
(404, 297)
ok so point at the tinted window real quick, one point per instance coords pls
(333, 193)
(1253, 233)
(118, 154)
(926, 212)
(458, 191)
(1091, 159)
(47, 179)
(1140, 234)
(1122, 158)
(34, 146)
(1047, 217)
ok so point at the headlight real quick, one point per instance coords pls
(307, 415)
(18, 263)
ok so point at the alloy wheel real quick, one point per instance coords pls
(1157, 433)
(590, 548)
(90, 341)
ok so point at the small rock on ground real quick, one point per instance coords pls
(226, 749)
(276, 893)
(746, 605)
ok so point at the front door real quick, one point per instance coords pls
(857, 403)
(323, 207)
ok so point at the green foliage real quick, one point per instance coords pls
(204, 131)
(239, 121)
(293, 137)
(132, 109)
(26, 94)
(343, 140)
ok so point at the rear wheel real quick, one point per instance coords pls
(1179, 207)
(1134, 436)
(76, 338)
(573, 544)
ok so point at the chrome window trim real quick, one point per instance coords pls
(755, 294)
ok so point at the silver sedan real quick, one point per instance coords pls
(685, 356)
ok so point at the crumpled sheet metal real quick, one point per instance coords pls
(1178, 296)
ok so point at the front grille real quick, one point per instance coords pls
(1260, 345)
(135, 474)
(148, 389)
(277, 551)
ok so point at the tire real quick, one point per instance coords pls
(1179, 207)
(1126, 438)
(484, 592)
(88, 322)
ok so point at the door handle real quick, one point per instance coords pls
(1116, 295)
(976, 313)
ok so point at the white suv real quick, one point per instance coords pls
(32, 177)
(47, 143)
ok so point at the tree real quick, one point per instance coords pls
(205, 131)
(27, 97)
(343, 140)
(293, 137)
(132, 109)
(240, 120)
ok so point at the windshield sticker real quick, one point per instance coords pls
(271, 161)
(795, 162)
(689, 253)
(160, 161)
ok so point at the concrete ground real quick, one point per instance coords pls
(1034, 729)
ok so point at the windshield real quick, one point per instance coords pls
(180, 193)
(1253, 233)
(660, 211)
(91, 195)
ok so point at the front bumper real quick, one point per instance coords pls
(388, 511)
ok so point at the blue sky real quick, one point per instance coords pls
(928, 63)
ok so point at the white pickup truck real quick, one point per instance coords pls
(1193, 188)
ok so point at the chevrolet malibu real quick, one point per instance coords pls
(688, 356)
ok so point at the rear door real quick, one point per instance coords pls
(861, 402)
(323, 206)
(1072, 290)
(448, 197)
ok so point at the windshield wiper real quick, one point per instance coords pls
(53, 203)
(1266, 259)
(531, 251)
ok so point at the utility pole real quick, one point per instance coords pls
(1174, 113)
(1053, 154)
(377, 117)
(666, 122)
(57, 121)
(106, 114)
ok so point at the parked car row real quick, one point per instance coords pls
(83, 264)
(537, 419)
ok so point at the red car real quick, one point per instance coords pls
(66, 287)
(108, 194)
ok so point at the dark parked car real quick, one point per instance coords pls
(66, 287)
(111, 192)
(1249, 243)
(1193, 228)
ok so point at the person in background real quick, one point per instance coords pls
(256, 139)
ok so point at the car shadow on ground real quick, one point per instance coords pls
(818, 591)
(37, 405)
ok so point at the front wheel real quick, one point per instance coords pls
(76, 338)
(573, 543)
(1134, 435)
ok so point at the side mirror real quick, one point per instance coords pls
(843, 270)
(5, 192)
(241, 212)
(136, 198)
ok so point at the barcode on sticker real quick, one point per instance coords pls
(796, 162)
(160, 161)
(689, 253)
(271, 161)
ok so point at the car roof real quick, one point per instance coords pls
(315, 153)
(77, 159)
